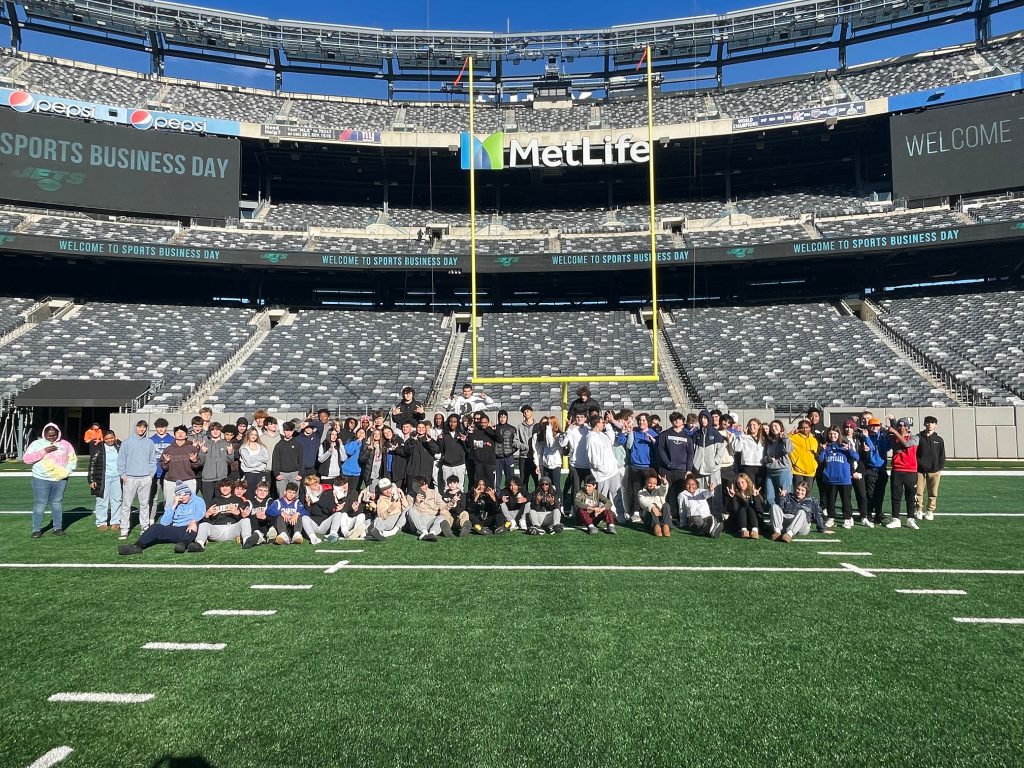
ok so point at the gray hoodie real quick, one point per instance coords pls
(137, 457)
(215, 460)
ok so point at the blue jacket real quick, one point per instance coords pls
(837, 463)
(180, 516)
(280, 505)
(675, 450)
(875, 450)
(137, 457)
(310, 447)
(159, 443)
(641, 454)
(351, 466)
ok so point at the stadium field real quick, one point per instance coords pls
(517, 651)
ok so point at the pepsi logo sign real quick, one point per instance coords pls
(144, 120)
(21, 101)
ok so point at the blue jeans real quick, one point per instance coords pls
(48, 492)
(109, 502)
(776, 479)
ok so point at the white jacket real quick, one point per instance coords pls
(600, 456)
(695, 504)
(574, 444)
(547, 453)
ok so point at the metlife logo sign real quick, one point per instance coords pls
(488, 153)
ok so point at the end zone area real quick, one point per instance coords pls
(809, 663)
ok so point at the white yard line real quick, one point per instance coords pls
(846, 554)
(281, 586)
(337, 566)
(238, 612)
(52, 757)
(681, 568)
(102, 698)
(931, 591)
(798, 540)
(969, 620)
(184, 646)
(955, 571)
(171, 566)
(978, 514)
(339, 551)
(858, 571)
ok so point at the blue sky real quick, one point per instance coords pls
(529, 15)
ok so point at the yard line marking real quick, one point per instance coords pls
(982, 473)
(103, 698)
(184, 646)
(798, 540)
(968, 620)
(955, 571)
(688, 568)
(339, 551)
(281, 586)
(978, 514)
(931, 591)
(847, 554)
(52, 757)
(243, 612)
(168, 566)
(337, 566)
(858, 571)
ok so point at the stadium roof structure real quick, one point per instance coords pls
(81, 393)
(173, 29)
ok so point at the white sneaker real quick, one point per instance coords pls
(314, 539)
(866, 523)
(912, 523)
(894, 523)
(635, 518)
(331, 537)
(848, 523)
(918, 515)
(830, 523)
(123, 536)
(522, 524)
(929, 515)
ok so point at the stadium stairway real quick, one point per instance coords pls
(263, 322)
(958, 392)
(444, 382)
(673, 373)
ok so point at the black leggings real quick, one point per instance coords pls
(830, 500)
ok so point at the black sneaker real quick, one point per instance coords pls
(430, 537)
(129, 549)
(533, 530)
(251, 542)
(464, 531)
(37, 534)
(376, 535)
(195, 546)
(58, 532)
(557, 528)
(446, 529)
(180, 548)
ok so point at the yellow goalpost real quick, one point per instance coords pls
(564, 381)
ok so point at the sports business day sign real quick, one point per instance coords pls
(489, 153)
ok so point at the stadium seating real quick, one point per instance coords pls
(90, 229)
(978, 338)
(88, 84)
(770, 356)
(222, 102)
(300, 216)
(209, 238)
(918, 74)
(179, 346)
(874, 226)
(351, 359)
(10, 313)
(770, 98)
(566, 344)
(834, 200)
(371, 245)
(717, 238)
(357, 115)
(997, 210)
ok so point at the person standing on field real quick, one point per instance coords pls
(136, 464)
(52, 460)
(931, 460)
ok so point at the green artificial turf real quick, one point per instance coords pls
(524, 668)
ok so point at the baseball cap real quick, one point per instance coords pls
(903, 423)
(384, 484)
(874, 422)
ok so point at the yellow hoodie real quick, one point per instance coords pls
(805, 449)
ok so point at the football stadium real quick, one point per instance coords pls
(359, 398)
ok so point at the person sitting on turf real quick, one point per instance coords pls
(484, 513)
(320, 519)
(744, 504)
(796, 507)
(695, 511)
(593, 506)
(515, 505)
(178, 525)
(353, 522)
(287, 513)
(224, 521)
(262, 524)
(428, 517)
(653, 501)
(388, 506)
(545, 509)
(455, 501)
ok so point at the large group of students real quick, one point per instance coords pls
(456, 474)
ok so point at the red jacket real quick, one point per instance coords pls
(904, 458)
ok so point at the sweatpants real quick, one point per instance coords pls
(861, 495)
(286, 477)
(155, 491)
(109, 502)
(330, 524)
(928, 482)
(903, 487)
(593, 517)
(843, 491)
(635, 479)
(701, 525)
(352, 525)
(493, 522)
(542, 518)
(420, 524)
(484, 472)
(676, 485)
(612, 488)
(164, 534)
(287, 529)
(794, 525)
(503, 471)
(136, 487)
(576, 475)
(527, 473)
(209, 490)
(265, 527)
(875, 481)
(230, 532)
(388, 526)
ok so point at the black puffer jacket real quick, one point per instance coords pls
(98, 467)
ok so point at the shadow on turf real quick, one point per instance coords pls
(182, 761)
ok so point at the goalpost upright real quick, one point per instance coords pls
(565, 381)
